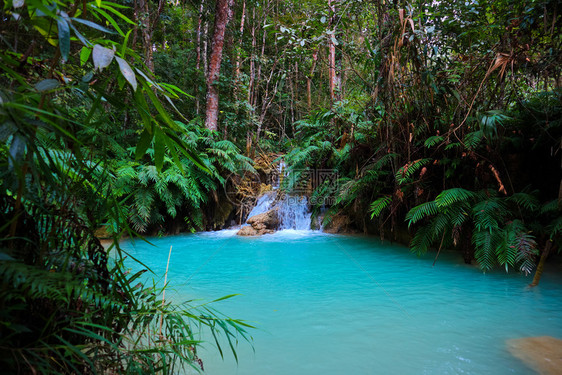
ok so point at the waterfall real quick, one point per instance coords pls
(294, 213)
(263, 204)
(292, 210)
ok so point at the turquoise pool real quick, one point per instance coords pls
(331, 304)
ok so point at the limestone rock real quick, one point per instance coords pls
(543, 354)
(269, 219)
(247, 231)
(339, 224)
(263, 223)
(251, 231)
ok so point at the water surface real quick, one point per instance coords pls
(330, 304)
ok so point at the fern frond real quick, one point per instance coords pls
(551, 206)
(423, 210)
(380, 163)
(473, 139)
(485, 244)
(528, 201)
(488, 214)
(555, 227)
(458, 213)
(428, 234)
(379, 205)
(521, 247)
(451, 196)
(433, 140)
(346, 192)
(405, 173)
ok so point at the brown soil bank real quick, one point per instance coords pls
(543, 354)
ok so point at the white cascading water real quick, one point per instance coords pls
(263, 204)
(294, 213)
(293, 210)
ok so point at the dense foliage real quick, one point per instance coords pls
(87, 144)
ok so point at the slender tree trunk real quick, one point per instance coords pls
(252, 81)
(198, 58)
(149, 21)
(295, 91)
(252, 60)
(143, 14)
(237, 68)
(540, 266)
(309, 79)
(205, 52)
(262, 53)
(332, 55)
(223, 13)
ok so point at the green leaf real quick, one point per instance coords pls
(80, 36)
(110, 20)
(159, 149)
(102, 57)
(158, 105)
(106, 5)
(94, 25)
(125, 42)
(85, 53)
(225, 297)
(127, 72)
(47, 85)
(143, 144)
(64, 38)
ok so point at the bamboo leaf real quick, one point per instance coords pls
(143, 144)
(85, 54)
(109, 19)
(94, 25)
(102, 57)
(159, 149)
(127, 72)
(64, 37)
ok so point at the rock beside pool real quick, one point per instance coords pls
(339, 224)
(263, 223)
(543, 354)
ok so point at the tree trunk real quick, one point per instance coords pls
(198, 58)
(309, 79)
(540, 266)
(205, 52)
(332, 55)
(223, 13)
(149, 21)
(252, 63)
(237, 69)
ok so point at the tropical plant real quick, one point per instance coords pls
(68, 304)
(500, 235)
